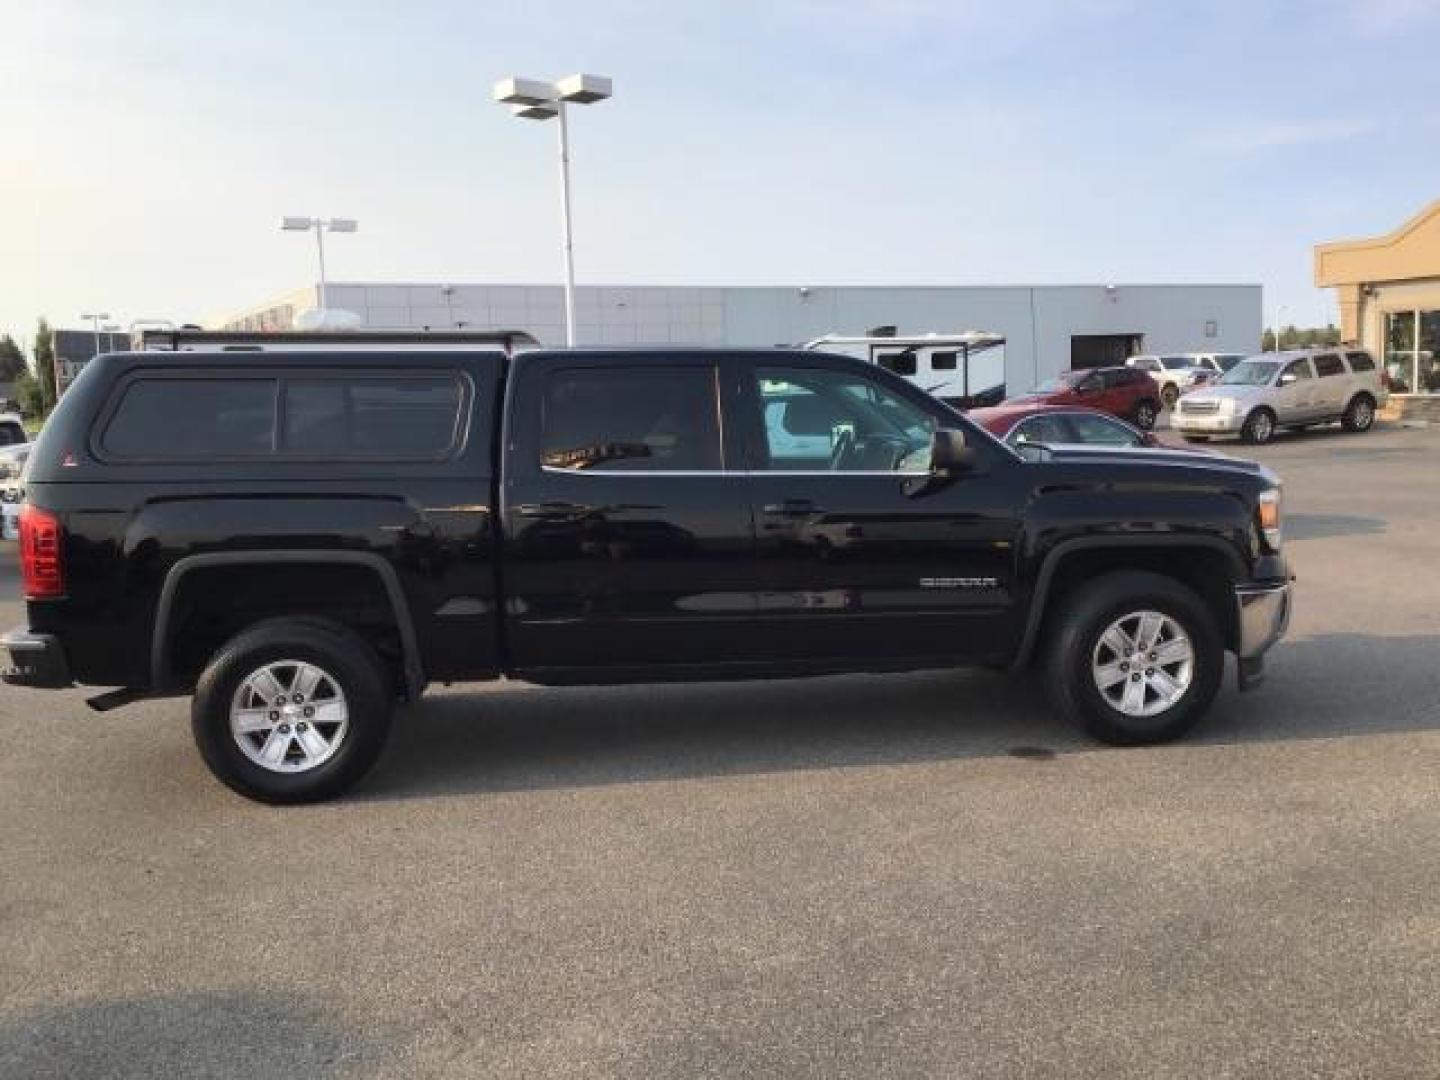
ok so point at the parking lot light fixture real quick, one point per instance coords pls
(320, 226)
(536, 99)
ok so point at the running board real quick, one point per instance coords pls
(113, 699)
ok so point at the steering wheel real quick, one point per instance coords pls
(844, 447)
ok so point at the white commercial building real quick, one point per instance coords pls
(1048, 328)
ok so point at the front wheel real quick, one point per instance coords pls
(1259, 427)
(292, 711)
(1135, 658)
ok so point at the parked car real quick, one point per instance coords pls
(12, 430)
(1127, 392)
(1059, 426)
(1173, 374)
(1296, 390)
(12, 488)
(300, 539)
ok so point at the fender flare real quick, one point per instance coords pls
(1056, 555)
(400, 608)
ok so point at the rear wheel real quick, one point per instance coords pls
(1259, 427)
(1169, 393)
(292, 711)
(1359, 415)
(1135, 658)
(1145, 414)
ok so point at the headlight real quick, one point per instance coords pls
(1270, 515)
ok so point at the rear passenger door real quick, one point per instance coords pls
(1332, 384)
(628, 539)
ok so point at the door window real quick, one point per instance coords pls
(817, 420)
(1039, 429)
(1100, 431)
(1328, 365)
(1298, 368)
(631, 420)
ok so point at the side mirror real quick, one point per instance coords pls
(1288, 378)
(949, 455)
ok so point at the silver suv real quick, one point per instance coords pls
(1295, 389)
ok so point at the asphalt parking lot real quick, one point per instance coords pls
(859, 876)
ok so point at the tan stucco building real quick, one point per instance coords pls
(1389, 293)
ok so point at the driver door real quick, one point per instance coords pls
(1294, 397)
(856, 558)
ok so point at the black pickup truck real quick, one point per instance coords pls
(303, 538)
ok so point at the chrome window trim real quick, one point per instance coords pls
(724, 472)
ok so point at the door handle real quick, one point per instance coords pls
(792, 508)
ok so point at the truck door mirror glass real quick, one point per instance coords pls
(1288, 378)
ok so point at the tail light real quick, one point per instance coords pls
(42, 565)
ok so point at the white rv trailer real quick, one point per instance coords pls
(964, 369)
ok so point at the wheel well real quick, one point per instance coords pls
(212, 604)
(1358, 395)
(1206, 571)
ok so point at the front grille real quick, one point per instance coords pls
(1199, 406)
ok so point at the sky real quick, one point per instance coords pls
(148, 148)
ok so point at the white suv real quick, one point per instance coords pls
(1174, 373)
(1290, 389)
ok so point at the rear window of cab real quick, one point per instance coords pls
(382, 416)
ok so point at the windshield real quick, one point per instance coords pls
(1251, 373)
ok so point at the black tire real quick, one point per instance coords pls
(1197, 438)
(1146, 412)
(1259, 427)
(1074, 638)
(349, 664)
(1169, 394)
(1359, 415)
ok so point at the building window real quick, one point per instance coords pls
(1412, 344)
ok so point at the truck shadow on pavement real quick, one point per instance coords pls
(1329, 526)
(457, 743)
(223, 1034)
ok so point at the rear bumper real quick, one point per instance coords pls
(1263, 617)
(35, 660)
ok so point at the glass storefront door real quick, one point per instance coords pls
(1427, 369)
(1400, 350)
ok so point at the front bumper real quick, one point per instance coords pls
(35, 660)
(1263, 616)
(1206, 423)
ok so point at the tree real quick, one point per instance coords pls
(43, 356)
(12, 360)
(29, 395)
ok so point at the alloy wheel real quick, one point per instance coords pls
(1143, 663)
(289, 716)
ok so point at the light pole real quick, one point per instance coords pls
(95, 318)
(321, 227)
(1280, 310)
(535, 99)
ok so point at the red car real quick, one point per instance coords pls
(1059, 425)
(1126, 392)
